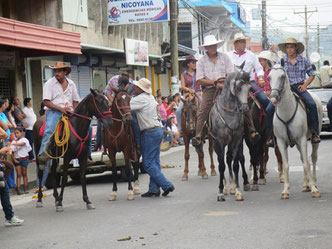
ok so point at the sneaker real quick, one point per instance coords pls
(14, 221)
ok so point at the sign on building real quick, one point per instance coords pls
(136, 52)
(137, 11)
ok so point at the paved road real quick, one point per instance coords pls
(190, 218)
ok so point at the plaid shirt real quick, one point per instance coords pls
(114, 82)
(297, 72)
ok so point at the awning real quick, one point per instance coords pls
(26, 35)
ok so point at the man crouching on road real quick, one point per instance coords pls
(151, 134)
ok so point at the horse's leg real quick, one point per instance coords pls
(58, 205)
(53, 171)
(111, 155)
(186, 156)
(136, 181)
(236, 167)
(213, 170)
(279, 160)
(129, 173)
(229, 159)
(246, 186)
(40, 193)
(285, 166)
(314, 158)
(83, 163)
(201, 164)
(265, 160)
(220, 154)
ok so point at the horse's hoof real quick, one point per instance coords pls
(205, 176)
(184, 178)
(213, 173)
(225, 191)
(221, 197)
(306, 189)
(315, 194)
(262, 181)
(39, 204)
(90, 206)
(284, 196)
(59, 208)
(251, 181)
(136, 191)
(254, 187)
(246, 187)
(232, 191)
(238, 197)
(282, 179)
(199, 173)
(113, 196)
(131, 195)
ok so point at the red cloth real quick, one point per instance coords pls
(42, 130)
(169, 111)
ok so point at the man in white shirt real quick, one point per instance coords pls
(151, 134)
(59, 96)
(326, 74)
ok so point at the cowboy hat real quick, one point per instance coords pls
(239, 37)
(61, 65)
(144, 84)
(188, 59)
(291, 40)
(265, 55)
(210, 40)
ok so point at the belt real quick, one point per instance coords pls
(149, 129)
(22, 158)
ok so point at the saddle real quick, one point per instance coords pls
(42, 129)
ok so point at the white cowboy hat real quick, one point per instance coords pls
(210, 40)
(238, 37)
(290, 40)
(265, 55)
(144, 84)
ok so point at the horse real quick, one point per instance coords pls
(120, 138)
(188, 127)
(94, 104)
(290, 127)
(226, 126)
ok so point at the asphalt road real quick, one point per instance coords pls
(190, 218)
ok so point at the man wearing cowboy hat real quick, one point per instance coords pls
(212, 69)
(297, 67)
(151, 134)
(59, 96)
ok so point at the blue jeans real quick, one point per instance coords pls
(52, 117)
(45, 174)
(329, 111)
(136, 129)
(310, 104)
(262, 98)
(151, 140)
(5, 201)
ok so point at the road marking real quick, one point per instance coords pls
(296, 168)
(221, 213)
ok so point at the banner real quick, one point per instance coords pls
(136, 52)
(137, 11)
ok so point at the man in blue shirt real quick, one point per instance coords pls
(297, 67)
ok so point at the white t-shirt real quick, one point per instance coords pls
(30, 118)
(174, 128)
(21, 151)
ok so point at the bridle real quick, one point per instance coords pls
(119, 108)
(279, 90)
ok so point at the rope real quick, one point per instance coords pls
(60, 142)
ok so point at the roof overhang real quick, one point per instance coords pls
(36, 37)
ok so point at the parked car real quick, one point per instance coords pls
(324, 94)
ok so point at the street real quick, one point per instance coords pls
(190, 217)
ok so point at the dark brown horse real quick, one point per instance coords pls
(188, 127)
(95, 104)
(120, 138)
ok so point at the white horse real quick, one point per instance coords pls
(290, 127)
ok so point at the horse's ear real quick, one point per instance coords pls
(93, 91)
(242, 65)
(282, 62)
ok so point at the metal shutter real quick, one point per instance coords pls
(84, 78)
(4, 84)
(74, 76)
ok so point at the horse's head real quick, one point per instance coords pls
(121, 104)
(278, 78)
(99, 108)
(240, 86)
(189, 112)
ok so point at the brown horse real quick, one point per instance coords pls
(119, 138)
(94, 104)
(188, 127)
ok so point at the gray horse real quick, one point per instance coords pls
(290, 127)
(226, 124)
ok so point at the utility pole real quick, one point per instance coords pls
(305, 12)
(174, 42)
(318, 41)
(265, 43)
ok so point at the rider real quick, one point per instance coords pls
(212, 69)
(297, 67)
(59, 96)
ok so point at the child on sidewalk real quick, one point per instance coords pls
(21, 148)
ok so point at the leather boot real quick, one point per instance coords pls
(19, 191)
(25, 189)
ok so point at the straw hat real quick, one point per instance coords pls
(188, 59)
(210, 40)
(144, 84)
(61, 65)
(290, 40)
(239, 37)
(265, 55)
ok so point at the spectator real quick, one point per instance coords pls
(163, 112)
(326, 74)
(159, 95)
(18, 112)
(28, 123)
(173, 129)
(11, 119)
(316, 83)
(21, 148)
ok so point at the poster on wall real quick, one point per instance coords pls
(136, 52)
(137, 11)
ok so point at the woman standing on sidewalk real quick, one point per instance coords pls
(28, 123)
